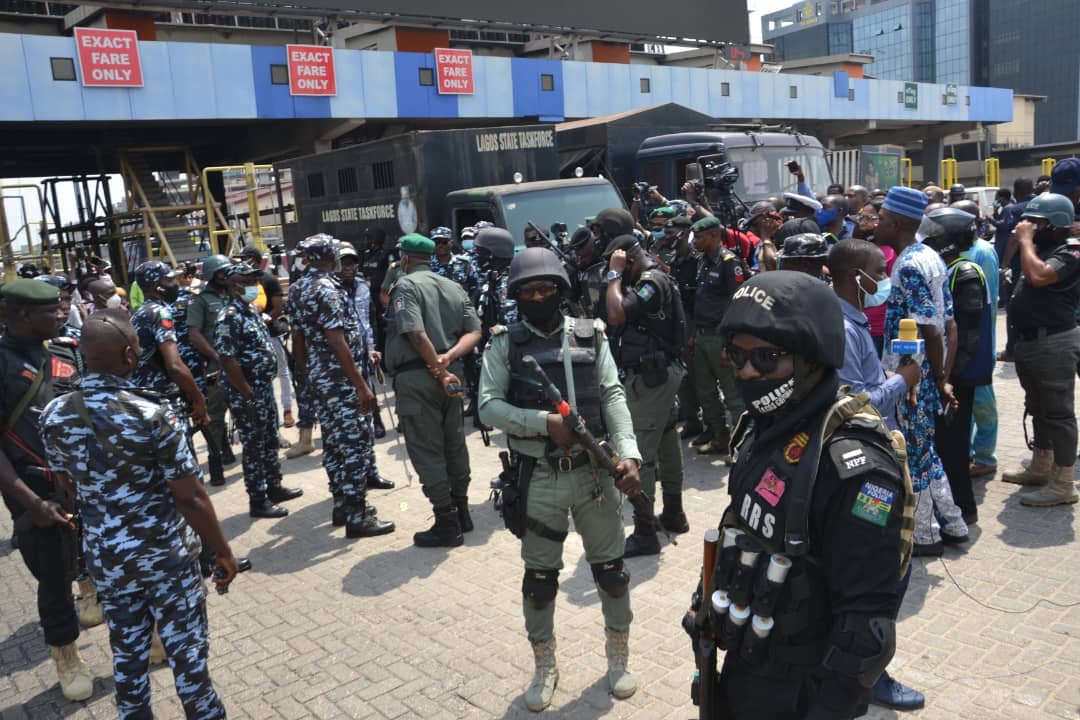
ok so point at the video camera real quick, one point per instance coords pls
(713, 177)
(641, 188)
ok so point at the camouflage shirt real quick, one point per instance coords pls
(188, 353)
(121, 463)
(155, 325)
(317, 303)
(241, 333)
(461, 270)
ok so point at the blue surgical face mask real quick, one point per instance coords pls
(658, 235)
(467, 244)
(880, 296)
(251, 293)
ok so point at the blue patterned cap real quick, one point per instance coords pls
(320, 247)
(906, 201)
(149, 273)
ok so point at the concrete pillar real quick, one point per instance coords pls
(933, 152)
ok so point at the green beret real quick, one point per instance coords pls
(416, 243)
(706, 223)
(25, 291)
(663, 212)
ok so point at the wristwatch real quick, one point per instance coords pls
(612, 275)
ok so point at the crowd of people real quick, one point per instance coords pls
(836, 350)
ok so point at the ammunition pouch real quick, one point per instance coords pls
(513, 494)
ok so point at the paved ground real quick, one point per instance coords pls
(328, 628)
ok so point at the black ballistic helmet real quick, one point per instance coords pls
(947, 230)
(536, 264)
(792, 310)
(805, 245)
(615, 222)
(497, 241)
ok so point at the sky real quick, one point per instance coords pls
(758, 8)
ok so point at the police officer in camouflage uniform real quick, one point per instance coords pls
(720, 274)
(328, 346)
(647, 337)
(35, 367)
(249, 365)
(143, 509)
(307, 403)
(161, 368)
(493, 250)
(818, 532)
(558, 473)
(458, 268)
(431, 326)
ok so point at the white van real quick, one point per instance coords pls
(983, 197)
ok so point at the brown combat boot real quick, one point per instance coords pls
(1038, 473)
(1059, 491)
(546, 677)
(75, 680)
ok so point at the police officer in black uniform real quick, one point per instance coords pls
(817, 535)
(648, 334)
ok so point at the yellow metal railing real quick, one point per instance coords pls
(7, 250)
(213, 211)
(905, 164)
(1048, 165)
(950, 173)
(992, 172)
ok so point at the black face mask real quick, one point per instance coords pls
(1046, 238)
(541, 314)
(765, 397)
(169, 294)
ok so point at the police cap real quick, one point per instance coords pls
(792, 310)
(805, 245)
(679, 222)
(416, 243)
(535, 264)
(150, 273)
(26, 291)
(347, 250)
(242, 269)
(250, 251)
(497, 241)
(320, 247)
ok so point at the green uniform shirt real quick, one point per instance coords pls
(496, 411)
(421, 300)
(203, 312)
(393, 274)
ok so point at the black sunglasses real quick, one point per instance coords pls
(764, 359)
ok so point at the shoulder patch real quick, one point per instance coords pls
(646, 292)
(873, 503)
(850, 458)
(794, 449)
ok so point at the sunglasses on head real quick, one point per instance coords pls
(764, 359)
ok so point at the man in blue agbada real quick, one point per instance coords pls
(143, 509)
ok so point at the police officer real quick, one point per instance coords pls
(493, 249)
(591, 280)
(144, 509)
(648, 335)
(327, 345)
(559, 474)
(1043, 314)
(35, 367)
(161, 369)
(445, 263)
(431, 326)
(818, 531)
(589, 270)
(720, 274)
(249, 365)
(951, 232)
(202, 315)
(307, 402)
(805, 253)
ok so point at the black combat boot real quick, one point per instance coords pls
(643, 540)
(278, 493)
(262, 507)
(464, 518)
(376, 481)
(337, 515)
(446, 532)
(361, 521)
(217, 469)
(673, 519)
(227, 455)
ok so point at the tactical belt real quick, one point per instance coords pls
(1030, 334)
(567, 463)
(714, 330)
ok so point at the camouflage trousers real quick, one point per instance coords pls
(257, 422)
(178, 606)
(348, 440)
(307, 401)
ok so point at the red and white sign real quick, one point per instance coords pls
(108, 58)
(454, 71)
(311, 70)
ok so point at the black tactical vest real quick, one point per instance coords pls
(663, 332)
(526, 390)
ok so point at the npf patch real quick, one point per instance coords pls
(873, 503)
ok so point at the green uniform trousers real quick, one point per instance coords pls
(688, 397)
(217, 404)
(552, 496)
(710, 373)
(433, 424)
(654, 412)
